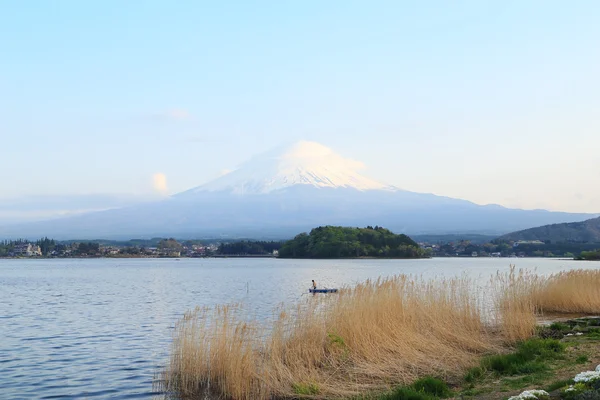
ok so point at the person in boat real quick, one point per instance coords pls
(314, 284)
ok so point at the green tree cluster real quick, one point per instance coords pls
(169, 245)
(247, 247)
(46, 245)
(590, 255)
(132, 251)
(343, 242)
(7, 246)
(88, 249)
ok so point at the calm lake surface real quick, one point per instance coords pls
(102, 328)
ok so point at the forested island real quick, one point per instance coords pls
(343, 242)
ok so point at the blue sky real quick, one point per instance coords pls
(495, 102)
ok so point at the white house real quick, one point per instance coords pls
(27, 250)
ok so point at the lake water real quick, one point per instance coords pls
(102, 328)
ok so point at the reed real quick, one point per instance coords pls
(514, 307)
(575, 291)
(379, 334)
(521, 296)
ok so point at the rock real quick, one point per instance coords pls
(546, 333)
(585, 321)
(589, 395)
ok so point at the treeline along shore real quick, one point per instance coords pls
(321, 242)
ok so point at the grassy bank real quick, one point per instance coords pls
(378, 335)
(536, 364)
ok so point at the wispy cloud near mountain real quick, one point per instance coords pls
(159, 183)
(36, 208)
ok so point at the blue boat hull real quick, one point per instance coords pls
(323, 290)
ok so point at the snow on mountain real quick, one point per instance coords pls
(303, 163)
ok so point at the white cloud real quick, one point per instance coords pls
(159, 182)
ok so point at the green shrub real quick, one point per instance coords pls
(528, 358)
(427, 388)
(473, 374)
(576, 392)
(559, 385)
(305, 388)
(530, 367)
(503, 364)
(336, 339)
(559, 326)
(432, 386)
(594, 333)
(583, 359)
(544, 348)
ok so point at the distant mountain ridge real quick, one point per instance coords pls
(584, 231)
(289, 190)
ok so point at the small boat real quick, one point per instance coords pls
(322, 290)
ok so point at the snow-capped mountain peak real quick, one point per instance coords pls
(303, 163)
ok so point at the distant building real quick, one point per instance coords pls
(26, 250)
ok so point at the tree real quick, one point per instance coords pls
(88, 249)
(169, 245)
(589, 255)
(342, 242)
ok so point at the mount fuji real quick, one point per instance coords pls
(303, 163)
(288, 190)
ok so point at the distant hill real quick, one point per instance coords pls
(585, 231)
(454, 237)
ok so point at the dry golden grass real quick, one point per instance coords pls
(378, 334)
(515, 309)
(520, 297)
(576, 291)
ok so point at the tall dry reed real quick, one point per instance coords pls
(576, 291)
(514, 307)
(377, 334)
(521, 296)
(380, 333)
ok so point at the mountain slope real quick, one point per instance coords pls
(284, 213)
(286, 191)
(584, 231)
